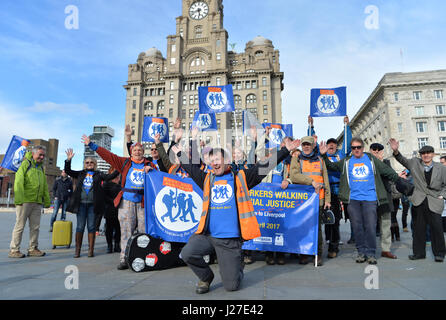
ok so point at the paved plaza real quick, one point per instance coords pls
(341, 278)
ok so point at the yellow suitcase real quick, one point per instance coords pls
(62, 233)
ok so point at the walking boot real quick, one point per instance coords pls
(117, 247)
(79, 236)
(109, 247)
(397, 233)
(91, 238)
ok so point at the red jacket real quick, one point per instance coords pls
(118, 163)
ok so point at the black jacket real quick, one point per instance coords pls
(62, 189)
(111, 190)
(98, 191)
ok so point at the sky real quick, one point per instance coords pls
(58, 83)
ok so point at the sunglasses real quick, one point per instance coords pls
(375, 150)
(89, 162)
(152, 149)
(356, 147)
(306, 144)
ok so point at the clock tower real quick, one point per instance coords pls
(197, 55)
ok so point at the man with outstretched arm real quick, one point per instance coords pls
(228, 217)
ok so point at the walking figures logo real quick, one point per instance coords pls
(137, 177)
(216, 99)
(177, 206)
(204, 121)
(19, 154)
(277, 134)
(157, 126)
(360, 170)
(221, 193)
(328, 102)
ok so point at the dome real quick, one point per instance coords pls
(259, 41)
(153, 52)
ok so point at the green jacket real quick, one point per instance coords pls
(379, 169)
(30, 185)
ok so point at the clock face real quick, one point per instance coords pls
(198, 10)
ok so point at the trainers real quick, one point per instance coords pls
(405, 230)
(203, 286)
(360, 259)
(439, 259)
(372, 260)
(35, 253)
(16, 254)
(123, 266)
(332, 255)
(248, 259)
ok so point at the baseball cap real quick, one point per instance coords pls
(307, 139)
(376, 146)
(426, 149)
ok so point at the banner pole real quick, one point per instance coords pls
(345, 139)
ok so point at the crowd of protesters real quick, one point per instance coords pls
(354, 183)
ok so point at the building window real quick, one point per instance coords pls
(400, 127)
(442, 142)
(265, 120)
(438, 94)
(160, 105)
(398, 112)
(198, 32)
(171, 99)
(196, 99)
(181, 32)
(174, 47)
(265, 95)
(395, 96)
(254, 84)
(184, 100)
(183, 113)
(264, 81)
(442, 126)
(148, 105)
(440, 110)
(134, 104)
(170, 113)
(238, 85)
(237, 100)
(417, 95)
(218, 124)
(265, 109)
(191, 99)
(172, 85)
(251, 98)
(172, 60)
(248, 85)
(217, 43)
(259, 53)
(135, 91)
(421, 127)
(422, 142)
(419, 111)
(191, 113)
(218, 56)
(133, 117)
(218, 81)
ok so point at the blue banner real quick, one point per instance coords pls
(15, 153)
(173, 206)
(153, 126)
(328, 102)
(278, 133)
(288, 219)
(204, 122)
(216, 99)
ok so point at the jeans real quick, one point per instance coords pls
(363, 218)
(57, 204)
(86, 216)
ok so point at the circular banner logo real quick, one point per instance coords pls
(137, 177)
(221, 193)
(178, 210)
(216, 100)
(328, 103)
(277, 135)
(204, 121)
(157, 127)
(360, 171)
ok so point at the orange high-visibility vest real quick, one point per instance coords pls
(174, 169)
(249, 226)
(314, 170)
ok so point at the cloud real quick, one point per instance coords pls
(52, 107)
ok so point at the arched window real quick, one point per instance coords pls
(237, 100)
(148, 106)
(160, 105)
(251, 98)
(259, 53)
(197, 65)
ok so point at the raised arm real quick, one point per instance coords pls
(394, 145)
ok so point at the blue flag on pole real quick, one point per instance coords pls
(288, 219)
(172, 205)
(15, 153)
(205, 122)
(153, 126)
(216, 99)
(328, 102)
(278, 133)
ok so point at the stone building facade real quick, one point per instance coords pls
(410, 107)
(198, 55)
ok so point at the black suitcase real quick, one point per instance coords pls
(145, 253)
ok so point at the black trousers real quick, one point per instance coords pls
(406, 206)
(396, 206)
(332, 233)
(423, 217)
(112, 229)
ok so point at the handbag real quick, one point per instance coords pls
(328, 217)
